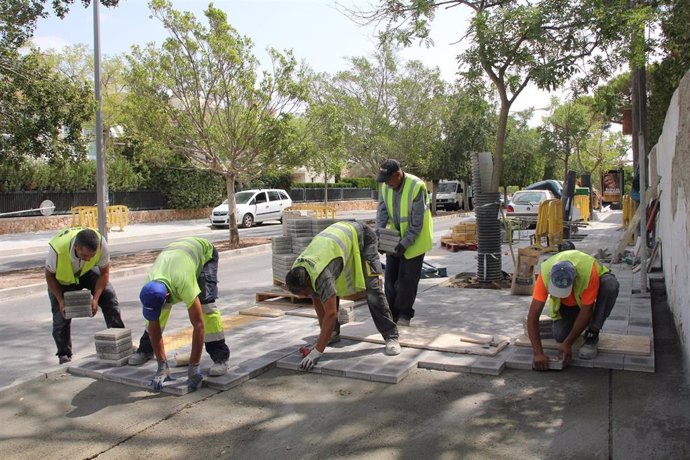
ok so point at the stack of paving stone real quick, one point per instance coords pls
(300, 243)
(77, 304)
(281, 245)
(346, 313)
(545, 327)
(319, 225)
(114, 346)
(388, 240)
(282, 263)
(298, 227)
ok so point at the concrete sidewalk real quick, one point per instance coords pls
(576, 413)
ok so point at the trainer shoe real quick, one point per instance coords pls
(393, 347)
(589, 349)
(139, 358)
(218, 368)
(65, 359)
(335, 338)
(403, 321)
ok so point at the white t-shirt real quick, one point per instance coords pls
(77, 263)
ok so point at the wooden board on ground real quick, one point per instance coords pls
(639, 345)
(273, 311)
(281, 296)
(427, 338)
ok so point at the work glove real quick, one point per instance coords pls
(194, 377)
(399, 251)
(305, 350)
(162, 376)
(310, 360)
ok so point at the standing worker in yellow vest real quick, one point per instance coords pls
(78, 259)
(404, 205)
(185, 271)
(341, 260)
(582, 294)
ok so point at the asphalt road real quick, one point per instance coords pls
(37, 259)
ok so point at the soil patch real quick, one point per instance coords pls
(469, 280)
(36, 275)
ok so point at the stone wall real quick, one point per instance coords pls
(38, 223)
(670, 162)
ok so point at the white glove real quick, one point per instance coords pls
(310, 360)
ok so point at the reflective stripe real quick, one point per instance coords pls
(195, 253)
(213, 337)
(346, 232)
(209, 308)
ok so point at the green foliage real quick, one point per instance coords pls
(322, 185)
(278, 179)
(524, 160)
(359, 182)
(190, 188)
(41, 112)
(58, 176)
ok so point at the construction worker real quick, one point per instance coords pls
(582, 294)
(404, 205)
(341, 260)
(78, 259)
(185, 271)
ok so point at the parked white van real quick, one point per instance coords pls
(449, 195)
(253, 206)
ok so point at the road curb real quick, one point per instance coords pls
(10, 293)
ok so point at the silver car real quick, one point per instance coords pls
(527, 201)
(253, 206)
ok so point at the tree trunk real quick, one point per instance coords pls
(434, 191)
(234, 233)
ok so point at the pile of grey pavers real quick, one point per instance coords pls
(114, 346)
(298, 231)
(78, 304)
(388, 240)
(545, 327)
(346, 311)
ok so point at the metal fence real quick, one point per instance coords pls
(11, 202)
(334, 194)
(141, 200)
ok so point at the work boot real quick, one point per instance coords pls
(402, 321)
(65, 359)
(393, 346)
(335, 338)
(589, 349)
(139, 358)
(219, 368)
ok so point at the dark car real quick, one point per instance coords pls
(552, 185)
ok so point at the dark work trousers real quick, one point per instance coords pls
(376, 300)
(606, 299)
(208, 285)
(62, 330)
(402, 279)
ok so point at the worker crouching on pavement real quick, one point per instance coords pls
(582, 294)
(185, 271)
(79, 259)
(340, 261)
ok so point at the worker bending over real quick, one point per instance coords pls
(340, 261)
(185, 271)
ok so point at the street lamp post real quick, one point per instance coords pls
(101, 179)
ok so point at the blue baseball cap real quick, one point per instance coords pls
(562, 279)
(152, 297)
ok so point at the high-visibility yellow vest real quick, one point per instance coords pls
(60, 244)
(411, 187)
(583, 268)
(338, 240)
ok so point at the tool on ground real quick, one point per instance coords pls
(304, 350)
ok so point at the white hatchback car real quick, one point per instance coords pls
(527, 201)
(253, 206)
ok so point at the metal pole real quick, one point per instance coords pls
(101, 179)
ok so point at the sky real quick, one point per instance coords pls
(314, 29)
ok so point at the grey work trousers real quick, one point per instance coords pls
(62, 328)
(376, 300)
(606, 299)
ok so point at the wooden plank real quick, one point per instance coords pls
(268, 295)
(638, 345)
(424, 338)
(270, 312)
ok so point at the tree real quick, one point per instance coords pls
(206, 101)
(524, 159)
